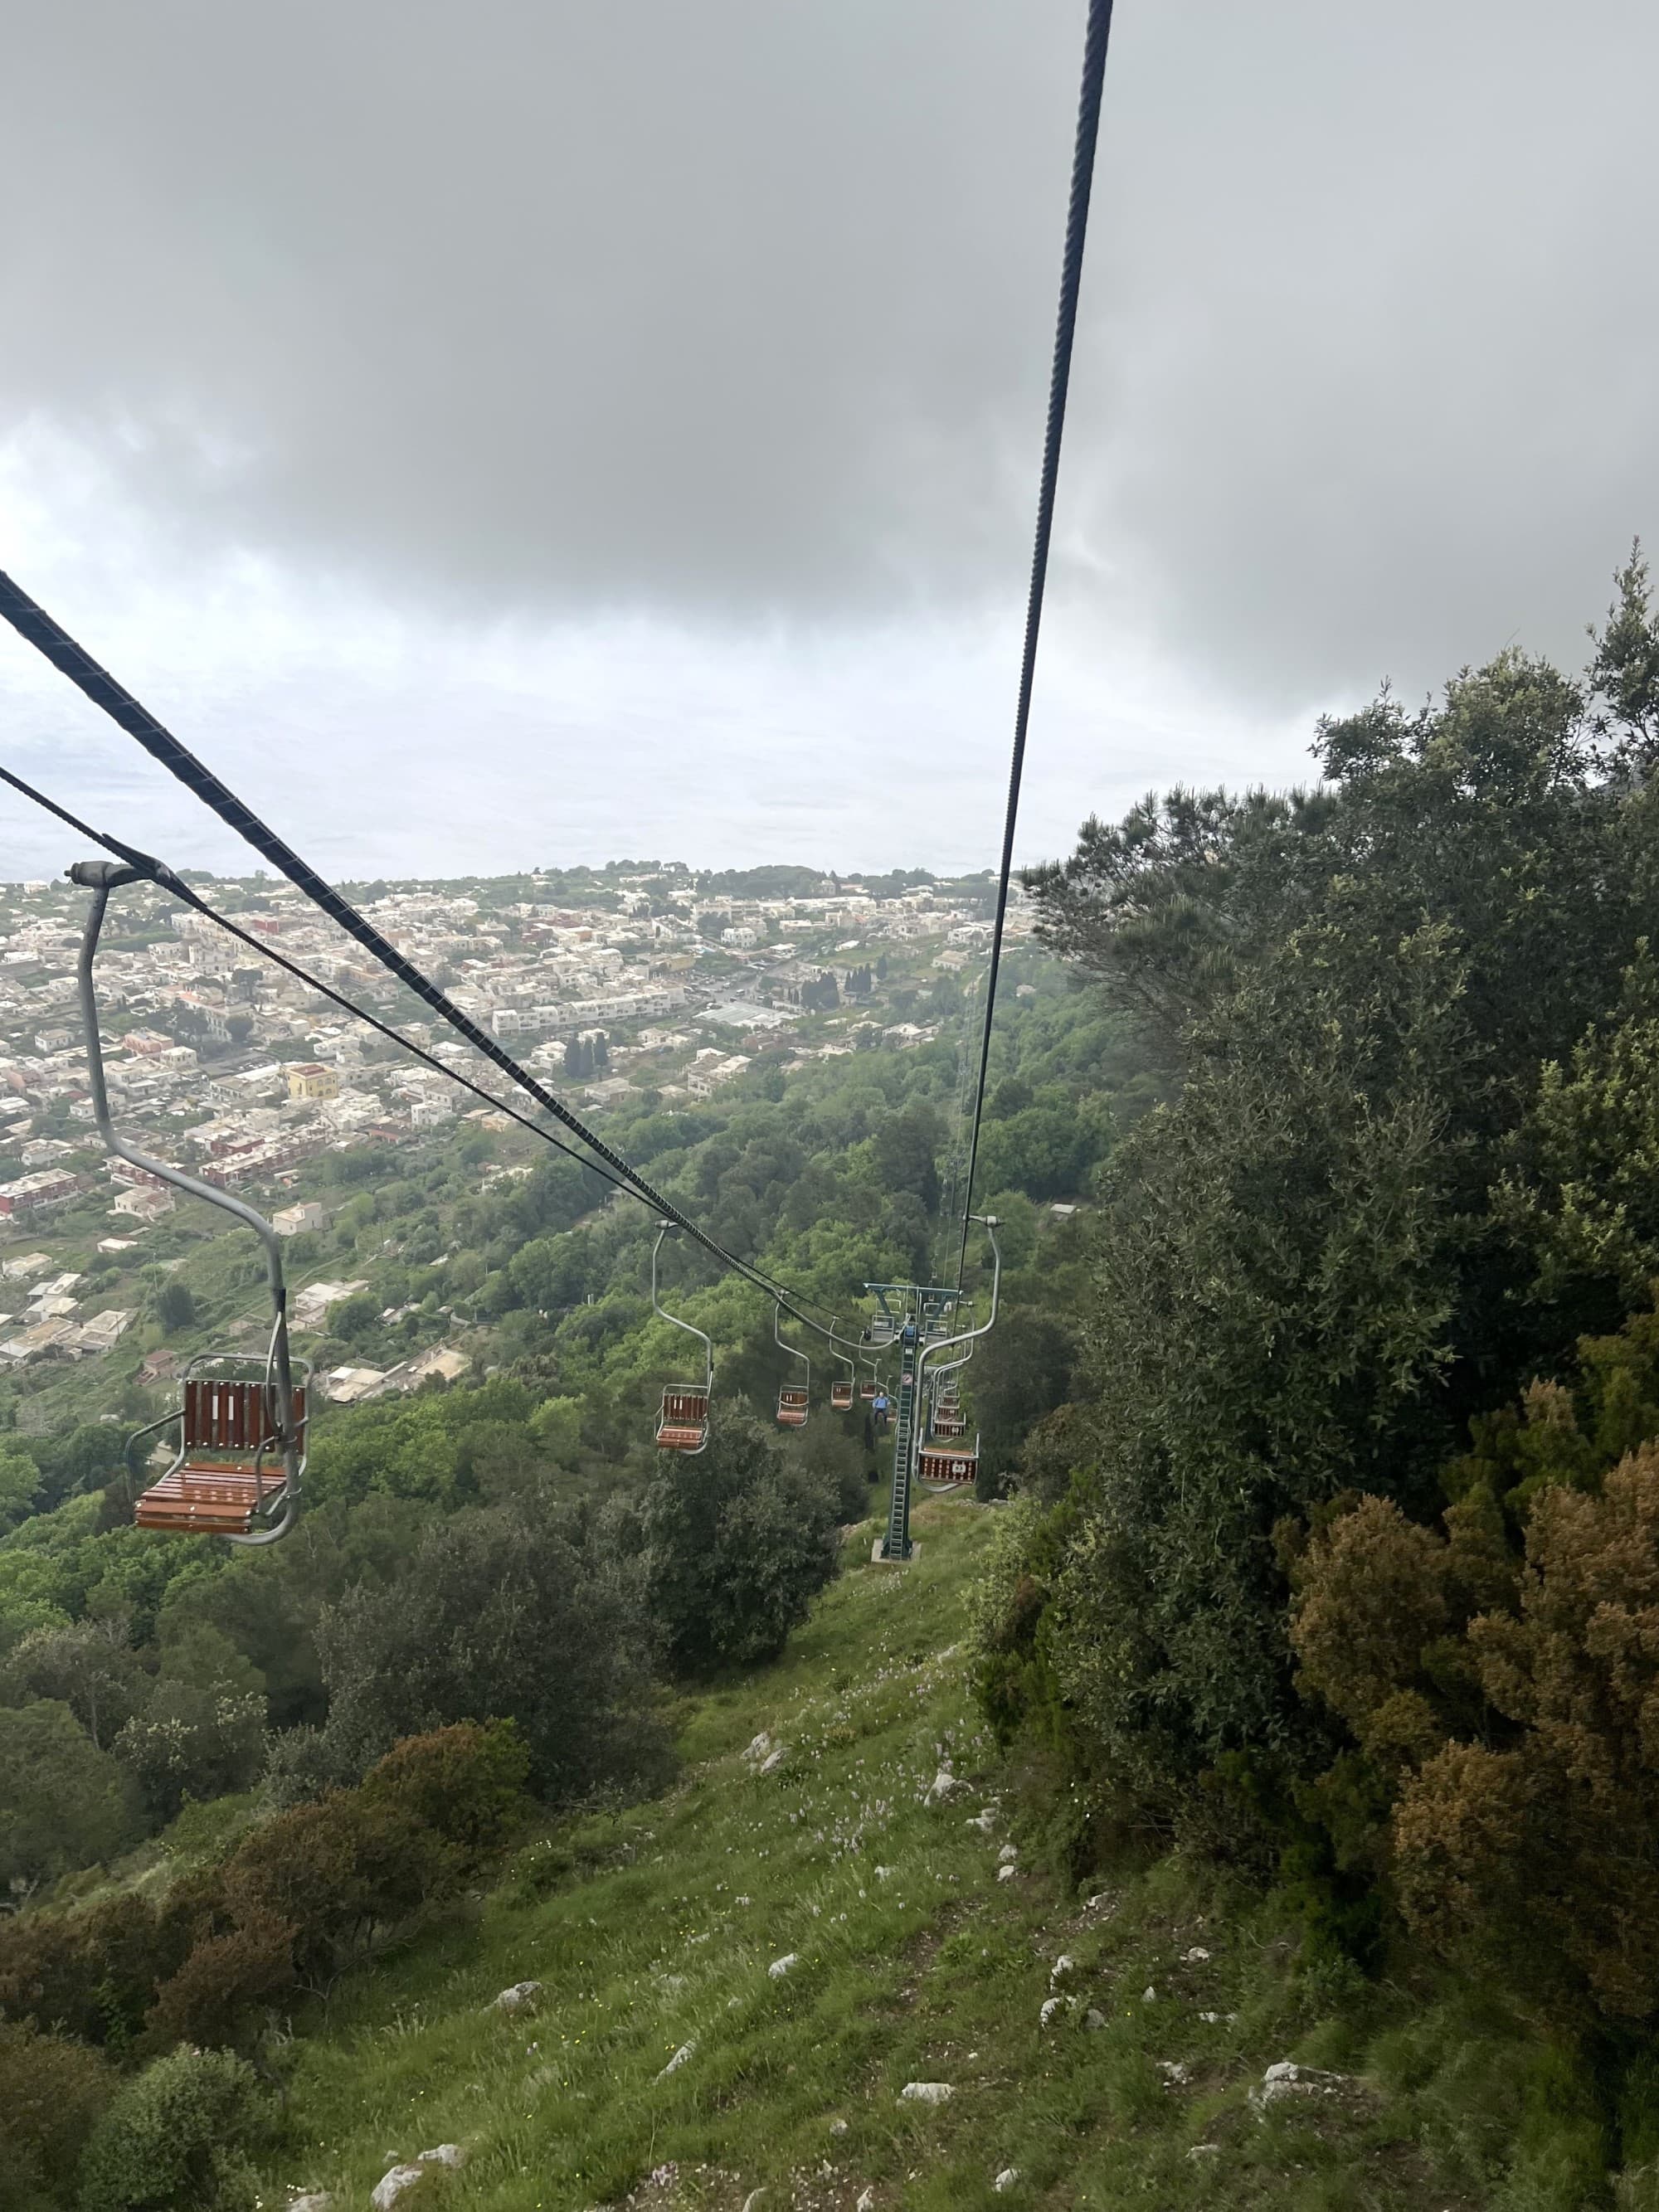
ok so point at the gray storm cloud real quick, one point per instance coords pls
(741, 312)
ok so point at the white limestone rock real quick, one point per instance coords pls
(779, 1967)
(391, 2186)
(1063, 1967)
(683, 2057)
(1005, 2180)
(1285, 2082)
(450, 2155)
(927, 2092)
(520, 1998)
(773, 1760)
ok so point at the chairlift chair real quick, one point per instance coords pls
(947, 1420)
(868, 1388)
(683, 1422)
(843, 1389)
(944, 1465)
(794, 1399)
(242, 1420)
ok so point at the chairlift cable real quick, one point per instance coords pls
(1077, 231)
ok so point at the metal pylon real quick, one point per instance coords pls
(896, 1543)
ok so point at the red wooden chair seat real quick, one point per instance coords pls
(208, 1500)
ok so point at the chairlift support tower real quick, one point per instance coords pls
(919, 1316)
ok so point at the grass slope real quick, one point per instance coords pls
(654, 1931)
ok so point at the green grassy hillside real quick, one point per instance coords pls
(671, 2059)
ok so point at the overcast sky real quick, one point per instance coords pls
(532, 431)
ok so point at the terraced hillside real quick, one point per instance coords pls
(743, 1986)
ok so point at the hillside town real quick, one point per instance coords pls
(607, 985)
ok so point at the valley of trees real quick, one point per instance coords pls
(1330, 1422)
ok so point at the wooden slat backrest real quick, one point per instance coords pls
(684, 1408)
(223, 1415)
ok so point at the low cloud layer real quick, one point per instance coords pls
(731, 324)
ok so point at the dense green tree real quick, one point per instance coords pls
(64, 1803)
(20, 1486)
(738, 1541)
(175, 1307)
(520, 1613)
(201, 1730)
(1308, 1271)
(1021, 1371)
(90, 1666)
(907, 1147)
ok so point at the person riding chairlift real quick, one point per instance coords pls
(880, 1408)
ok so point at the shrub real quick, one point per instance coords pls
(1547, 1852)
(93, 1973)
(51, 2091)
(327, 1874)
(463, 1784)
(212, 1998)
(175, 2140)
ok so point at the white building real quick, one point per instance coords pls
(292, 1219)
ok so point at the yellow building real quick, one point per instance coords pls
(309, 1078)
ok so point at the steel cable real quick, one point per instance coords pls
(1071, 280)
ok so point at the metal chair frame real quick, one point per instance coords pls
(680, 1399)
(282, 1424)
(794, 1399)
(844, 1391)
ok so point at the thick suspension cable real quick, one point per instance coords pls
(158, 872)
(1071, 280)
